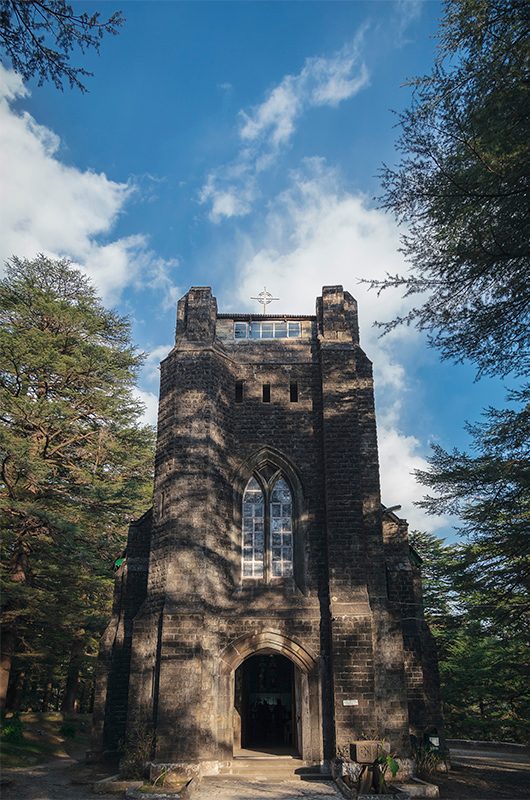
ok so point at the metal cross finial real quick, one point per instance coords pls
(264, 298)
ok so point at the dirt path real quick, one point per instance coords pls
(60, 779)
(485, 775)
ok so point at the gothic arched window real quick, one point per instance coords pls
(267, 529)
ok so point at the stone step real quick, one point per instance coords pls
(271, 768)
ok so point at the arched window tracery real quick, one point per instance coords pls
(267, 517)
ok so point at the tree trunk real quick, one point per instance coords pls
(72, 679)
(6, 659)
(15, 691)
(19, 574)
(90, 708)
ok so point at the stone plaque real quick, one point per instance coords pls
(350, 702)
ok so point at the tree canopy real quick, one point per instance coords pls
(489, 490)
(461, 192)
(482, 658)
(462, 189)
(39, 38)
(76, 462)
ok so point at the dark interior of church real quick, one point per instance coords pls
(265, 685)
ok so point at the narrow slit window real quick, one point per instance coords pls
(239, 391)
(293, 392)
(266, 393)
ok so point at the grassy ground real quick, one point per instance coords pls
(46, 736)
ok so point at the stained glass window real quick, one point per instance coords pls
(281, 523)
(253, 530)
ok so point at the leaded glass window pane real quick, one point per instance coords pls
(268, 329)
(281, 530)
(253, 532)
(294, 329)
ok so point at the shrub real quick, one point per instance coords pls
(427, 760)
(67, 730)
(137, 750)
(12, 729)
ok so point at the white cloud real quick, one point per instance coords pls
(315, 234)
(152, 362)
(265, 129)
(406, 12)
(399, 456)
(62, 211)
(150, 403)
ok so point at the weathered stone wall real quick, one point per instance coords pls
(112, 676)
(337, 619)
(403, 573)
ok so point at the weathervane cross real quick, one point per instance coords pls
(264, 298)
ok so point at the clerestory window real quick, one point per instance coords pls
(270, 329)
(267, 530)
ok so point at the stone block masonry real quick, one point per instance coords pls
(268, 600)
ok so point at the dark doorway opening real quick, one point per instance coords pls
(265, 703)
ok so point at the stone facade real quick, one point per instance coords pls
(349, 617)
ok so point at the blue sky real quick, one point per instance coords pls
(237, 144)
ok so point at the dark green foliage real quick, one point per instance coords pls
(67, 730)
(38, 38)
(75, 462)
(489, 490)
(12, 731)
(427, 760)
(462, 189)
(482, 643)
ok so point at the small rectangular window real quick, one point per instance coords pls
(293, 392)
(267, 330)
(239, 391)
(240, 330)
(293, 329)
(266, 392)
(280, 330)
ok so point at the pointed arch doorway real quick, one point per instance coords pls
(267, 713)
(305, 722)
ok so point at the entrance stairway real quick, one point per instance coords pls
(272, 768)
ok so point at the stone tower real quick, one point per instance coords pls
(268, 600)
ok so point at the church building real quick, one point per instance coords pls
(268, 601)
